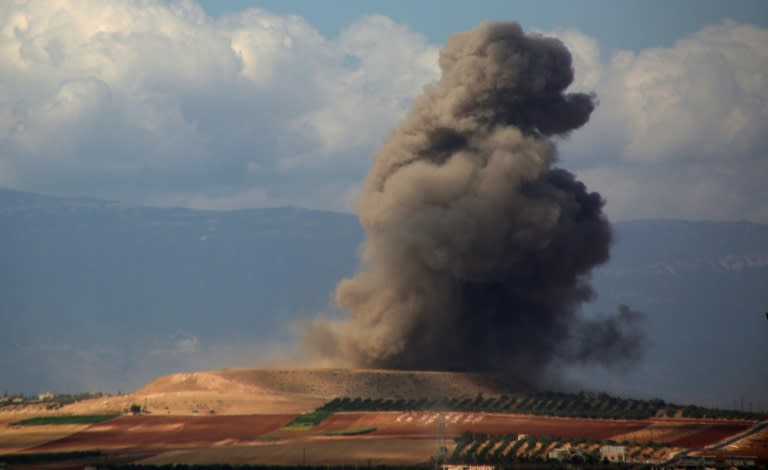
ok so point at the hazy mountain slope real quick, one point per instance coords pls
(704, 286)
(133, 292)
(96, 294)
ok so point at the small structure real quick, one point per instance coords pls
(613, 453)
(740, 461)
(693, 462)
(560, 454)
(45, 396)
(461, 466)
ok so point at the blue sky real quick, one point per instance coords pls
(625, 24)
(210, 104)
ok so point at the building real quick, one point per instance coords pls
(559, 454)
(613, 453)
(45, 396)
(461, 466)
(691, 462)
(740, 461)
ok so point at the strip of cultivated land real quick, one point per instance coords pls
(63, 420)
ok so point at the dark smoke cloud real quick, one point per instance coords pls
(478, 248)
(612, 340)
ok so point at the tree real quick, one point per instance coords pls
(135, 409)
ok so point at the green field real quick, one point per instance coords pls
(307, 421)
(64, 419)
(48, 456)
(350, 432)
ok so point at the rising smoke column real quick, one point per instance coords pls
(478, 248)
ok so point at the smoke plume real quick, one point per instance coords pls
(478, 247)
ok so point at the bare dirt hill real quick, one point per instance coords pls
(242, 391)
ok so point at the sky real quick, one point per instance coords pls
(239, 104)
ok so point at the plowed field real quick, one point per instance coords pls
(756, 444)
(702, 435)
(234, 431)
(421, 424)
(360, 452)
(150, 432)
(687, 432)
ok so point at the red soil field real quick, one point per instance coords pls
(704, 434)
(755, 445)
(184, 432)
(170, 432)
(423, 424)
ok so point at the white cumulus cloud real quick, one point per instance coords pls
(680, 131)
(154, 101)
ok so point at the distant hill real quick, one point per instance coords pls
(103, 295)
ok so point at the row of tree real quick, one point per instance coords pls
(511, 448)
(577, 405)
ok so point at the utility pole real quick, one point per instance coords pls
(442, 450)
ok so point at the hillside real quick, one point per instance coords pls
(269, 391)
(247, 391)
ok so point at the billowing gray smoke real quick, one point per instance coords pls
(478, 248)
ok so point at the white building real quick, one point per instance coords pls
(560, 454)
(614, 453)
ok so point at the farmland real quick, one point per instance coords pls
(162, 432)
(381, 437)
(424, 424)
(208, 418)
(307, 420)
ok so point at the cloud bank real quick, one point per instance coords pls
(156, 102)
(681, 131)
